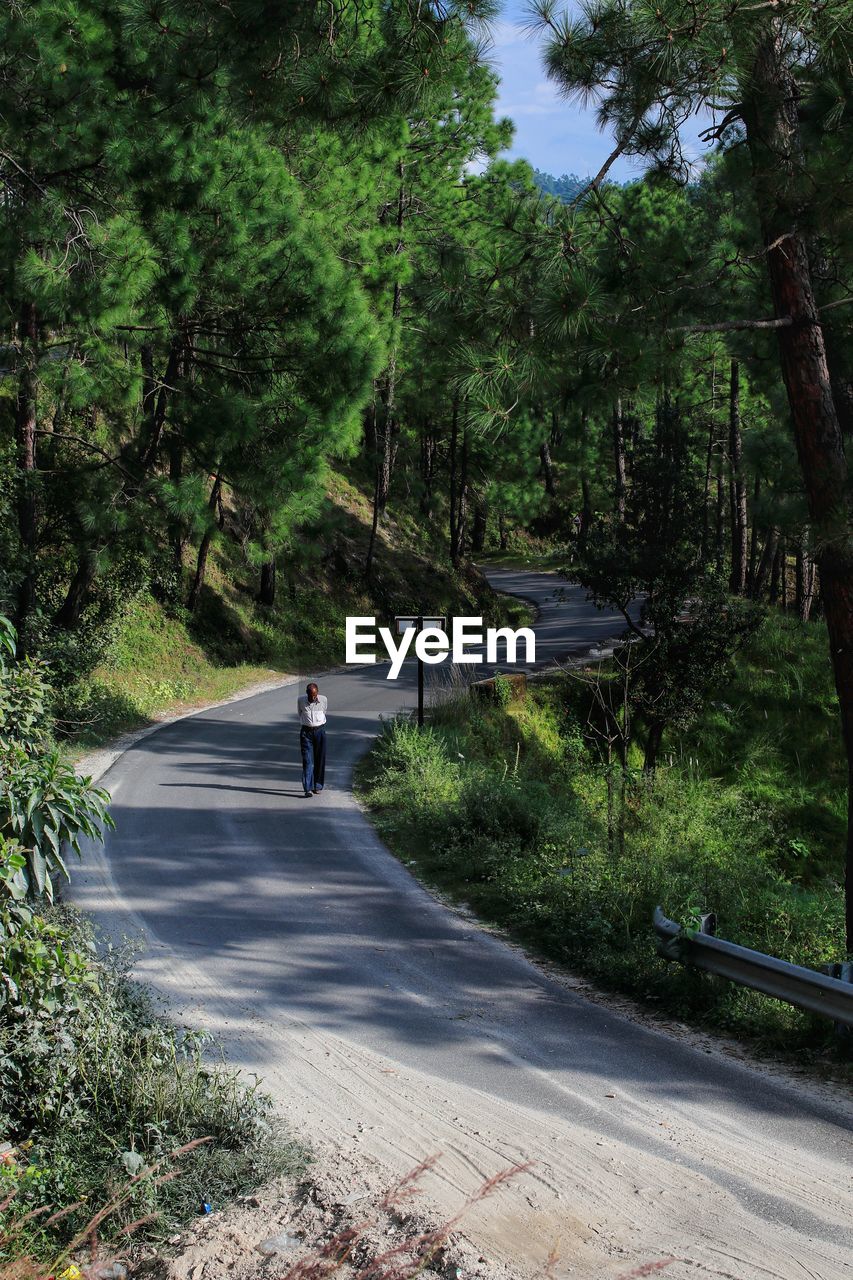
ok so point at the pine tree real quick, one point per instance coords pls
(779, 81)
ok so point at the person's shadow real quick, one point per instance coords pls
(226, 786)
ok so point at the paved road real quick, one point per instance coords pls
(391, 1026)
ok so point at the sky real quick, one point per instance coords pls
(553, 135)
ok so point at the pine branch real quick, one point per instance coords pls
(839, 302)
(11, 159)
(731, 326)
(595, 183)
(715, 133)
(109, 460)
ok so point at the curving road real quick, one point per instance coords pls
(390, 1027)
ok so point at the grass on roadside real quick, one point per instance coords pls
(774, 732)
(154, 665)
(96, 1085)
(507, 808)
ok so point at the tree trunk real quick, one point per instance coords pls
(776, 573)
(457, 552)
(503, 535)
(387, 431)
(69, 612)
(765, 565)
(386, 448)
(776, 153)
(706, 506)
(204, 548)
(428, 451)
(25, 443)
(547, 468)
(586, 496)
(370, 445)
(454, 469)
(809, 587)
(266, 594)
(737, 488)
(753, 543)
(585, 511)
(799, 578)
(478, 527)
(387, 435)
(720, 553)
(619, 457)
(783, 585)
(374, 527)
(805, 577)
(155, 398)
(653, 743)
(176, 529)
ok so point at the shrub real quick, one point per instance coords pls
(44, 806)
(96, 1084)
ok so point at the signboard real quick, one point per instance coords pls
(405, 622)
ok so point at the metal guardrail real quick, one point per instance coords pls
(831, 996)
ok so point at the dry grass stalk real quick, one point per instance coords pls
(27, 1268)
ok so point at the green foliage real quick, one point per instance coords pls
(503, 690)
(40, 976)
(689, 627)
(44, 806)
(96, 1084)
(648, 70)
(204, 304)
(770, 730)
(235, 253)
(8, 639)
(157, 662)
(25, 698)
(163, 658)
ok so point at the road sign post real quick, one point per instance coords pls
(420, 683)
(417, 620)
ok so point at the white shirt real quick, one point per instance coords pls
(312, 713)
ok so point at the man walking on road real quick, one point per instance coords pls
(311, 706)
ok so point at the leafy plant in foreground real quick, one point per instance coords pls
(44, 805)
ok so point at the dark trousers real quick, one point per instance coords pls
(312, 744)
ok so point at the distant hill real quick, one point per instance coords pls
(565, 188)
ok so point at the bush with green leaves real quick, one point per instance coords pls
(39, 975)
(44, 806)
(503, 689)
(97, 1084)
